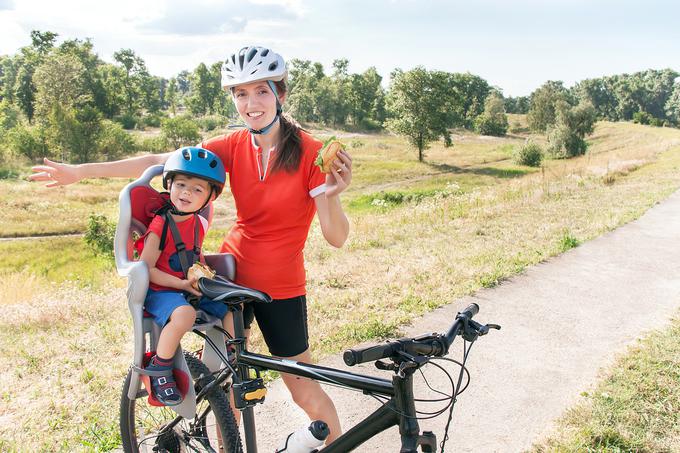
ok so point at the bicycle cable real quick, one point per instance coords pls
(466, 352)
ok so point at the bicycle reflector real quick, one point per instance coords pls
(249, 393)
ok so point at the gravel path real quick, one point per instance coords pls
(563, 321)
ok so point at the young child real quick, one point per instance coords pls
(172, 243)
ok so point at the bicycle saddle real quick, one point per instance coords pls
(221, 289)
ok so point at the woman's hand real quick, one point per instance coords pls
(340, 176)
(56, 173)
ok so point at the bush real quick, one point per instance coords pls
(529, 154)
(493, 121)
(642, 118)
(9, 116)
(209, 123)
(657, 122)
(155, 145)
(127, 120)
(565, 142)
(114, 142)
(27, 141)
(486, 125)
(153, 119)
(180, 131)
(99, 235)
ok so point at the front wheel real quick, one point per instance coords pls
(146, 428)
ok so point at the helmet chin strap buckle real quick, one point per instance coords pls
(265, 129)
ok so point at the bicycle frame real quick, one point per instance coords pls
(398, 410)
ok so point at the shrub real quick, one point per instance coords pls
(153, 119)
(9, 115)
(493, 121)
(153, 144)
(565, 143)
(114, 142)
(180, 131)
(209, 123)
(27, 141)
(657, 122)
(99, 235)
(486, 125)
(529, 154)
(642, 118)
(127, 120)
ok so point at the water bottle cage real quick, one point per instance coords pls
(249, 393)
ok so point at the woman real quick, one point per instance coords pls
(277, 190)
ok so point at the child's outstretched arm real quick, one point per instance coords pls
(60, 174)
(150, 255)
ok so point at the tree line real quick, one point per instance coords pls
(64, 101)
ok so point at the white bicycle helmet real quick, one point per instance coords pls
(253, 64)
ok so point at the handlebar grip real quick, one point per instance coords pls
(470, 311)
(355, 356)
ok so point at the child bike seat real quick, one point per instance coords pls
(138, 202)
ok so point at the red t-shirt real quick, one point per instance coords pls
(273, 213)
(168, 261)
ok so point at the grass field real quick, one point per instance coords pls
(428, 233)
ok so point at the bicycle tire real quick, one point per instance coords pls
(140, 423)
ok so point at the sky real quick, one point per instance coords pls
(514, 45)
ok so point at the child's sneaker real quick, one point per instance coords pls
(164, 386)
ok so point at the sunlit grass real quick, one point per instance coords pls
(400, 261)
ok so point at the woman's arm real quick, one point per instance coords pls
(59, 174)
(150, 255)
(334, 223)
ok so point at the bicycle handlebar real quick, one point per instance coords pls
(435, 345)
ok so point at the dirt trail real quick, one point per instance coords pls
(563, 321)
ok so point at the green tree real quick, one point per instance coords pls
(471, 92)
(493, 121)
(71, 125)
(134, 75)
(673, 105)
(416, 110)
(567, 136)
(200, 100)
(542, 112)
(180, 131)
(171, 95)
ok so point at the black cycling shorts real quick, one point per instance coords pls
(283, 324)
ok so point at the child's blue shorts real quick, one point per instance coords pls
(161, 304)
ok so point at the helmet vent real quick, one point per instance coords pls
(201, 155)
(273, 66)
(265, 52)
(252, 54)
(213, 163)
(186, 154)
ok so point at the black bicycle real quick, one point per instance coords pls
(242, 376)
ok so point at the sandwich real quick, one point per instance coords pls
(199, 270)
(327, 154)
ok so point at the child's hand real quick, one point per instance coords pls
(188, 286)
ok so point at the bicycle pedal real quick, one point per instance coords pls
(249, 393)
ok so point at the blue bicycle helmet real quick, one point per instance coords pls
(196, 162)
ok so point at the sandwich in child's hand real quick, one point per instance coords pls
(327, 154)
(199, 270)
